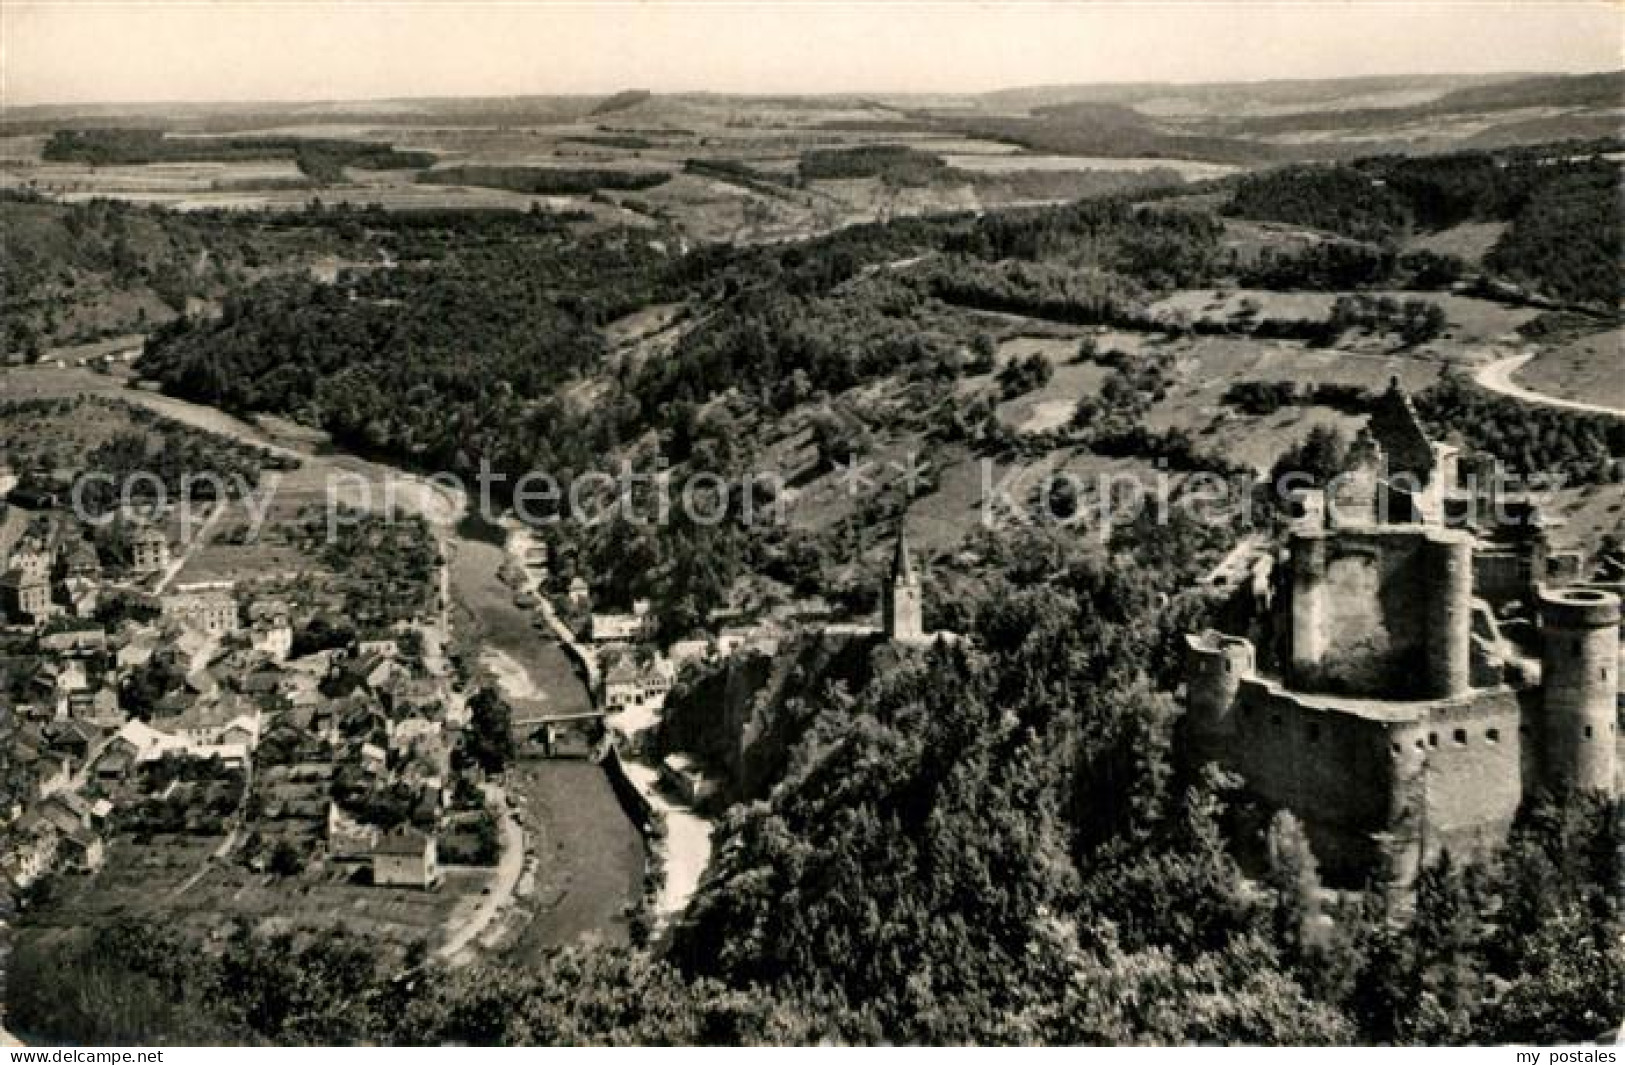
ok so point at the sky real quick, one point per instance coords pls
(82, 51)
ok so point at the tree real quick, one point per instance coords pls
(488, 740)
(1295, 879)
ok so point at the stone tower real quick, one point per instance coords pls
(901, 610)
(1580, 678)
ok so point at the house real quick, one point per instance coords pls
(381, 646)
(24, 596)
(81, 850)
(64, 811)
(371, 671)
(684, 776)
(374, 757)
(139, 645)
(116, 762)
(274, 639)
(764, 638)
(213, 613)
(617, 628)
(82, 594)
(54, 772)
(78, 560)
(228, 721)
(685, 651)
(268, 681)
(405, 857)
(149, 550)
(403, 734)
(74, 738)
(99, 708)
(76, 642)
(31, 557)
(24, 860)
(579, 594)
(269, 609)
(628, 684)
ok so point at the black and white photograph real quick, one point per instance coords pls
(655, 523)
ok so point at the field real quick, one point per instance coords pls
(1470, 241)
(160, 879)
(1590, 369)
(659, 136)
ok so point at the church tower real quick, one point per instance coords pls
(901, 609)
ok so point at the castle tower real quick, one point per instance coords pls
(1580, 686)
(1448, 600)
(1215, 666)
(901, 604)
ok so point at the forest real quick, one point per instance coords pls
(1562, 203)
(545, 180)
(322, 159)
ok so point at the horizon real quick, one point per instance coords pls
(60, 53)
(857, 93)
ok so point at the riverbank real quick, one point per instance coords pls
(682, 844)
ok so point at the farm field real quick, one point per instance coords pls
(1590, 369)
(160, 876)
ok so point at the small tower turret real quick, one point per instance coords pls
(1580, 686)
(901, 606)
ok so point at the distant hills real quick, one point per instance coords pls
(1247, 123)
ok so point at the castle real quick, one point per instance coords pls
(1380, 698)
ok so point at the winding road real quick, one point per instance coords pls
(1497, 377)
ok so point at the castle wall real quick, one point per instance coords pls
(1332, 769)
(1432, 775)
(1382, 611)
(1474, 778)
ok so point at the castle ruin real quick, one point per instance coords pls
(1378, 698)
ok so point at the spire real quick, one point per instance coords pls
(902, 566)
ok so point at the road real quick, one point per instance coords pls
(457, 949)
(1497, 377)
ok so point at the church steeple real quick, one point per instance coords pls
(901, 607)
(902, 563)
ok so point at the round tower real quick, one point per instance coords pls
(1307, 597)
(1448, 586)
(1215, 665)
(1579, 686)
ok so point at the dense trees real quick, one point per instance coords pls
(321, 159)
(1565, 241)
(1563, 203)
(545, 181)
(488, 740)
(894, 164)
(1528, 441)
